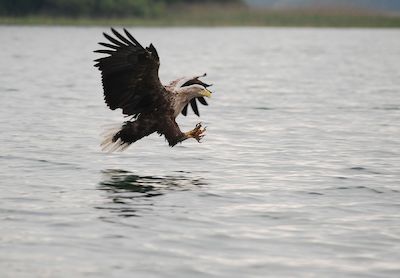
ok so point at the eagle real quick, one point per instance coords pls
(130, 81)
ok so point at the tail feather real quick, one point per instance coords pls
(112, 142)
(121, 137)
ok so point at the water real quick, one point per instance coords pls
(298, 175)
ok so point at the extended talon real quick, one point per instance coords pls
(198, 126)
(197, 133)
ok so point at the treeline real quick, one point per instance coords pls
(97, 8)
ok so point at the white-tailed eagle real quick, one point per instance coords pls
(130, 82)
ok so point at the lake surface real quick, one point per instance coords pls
(298, 175)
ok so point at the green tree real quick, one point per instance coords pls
(20, 7)
(139, 8)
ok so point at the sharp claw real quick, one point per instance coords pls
(198, 132)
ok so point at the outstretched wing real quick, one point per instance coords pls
(129, 74)
(190, 81)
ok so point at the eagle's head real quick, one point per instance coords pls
(193, 91)
(187, 94)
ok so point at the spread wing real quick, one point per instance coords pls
(193, 103)
(130, 74)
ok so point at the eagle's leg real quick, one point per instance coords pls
(170, 129)
(197, 133)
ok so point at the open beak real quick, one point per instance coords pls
(206, 93)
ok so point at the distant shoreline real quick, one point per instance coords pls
(229, 17)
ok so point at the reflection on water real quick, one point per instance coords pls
(129, 193)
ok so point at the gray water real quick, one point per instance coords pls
(298, 175)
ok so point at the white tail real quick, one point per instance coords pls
(109, 144)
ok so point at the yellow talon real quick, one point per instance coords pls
(197, 133)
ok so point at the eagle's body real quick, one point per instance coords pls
(130, 82)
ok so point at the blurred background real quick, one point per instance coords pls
(339, 13)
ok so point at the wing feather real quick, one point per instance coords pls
(122, 38)
(132, 38)
(202, 101)
(115, 41)
(108, 45)
(184, 110)
(104, 51)
(130, 75)
(193, 104)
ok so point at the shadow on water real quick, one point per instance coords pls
(130, 195)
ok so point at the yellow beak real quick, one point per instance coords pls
(206, 93)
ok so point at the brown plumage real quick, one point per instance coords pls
(131, 82)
